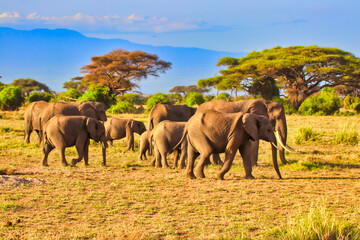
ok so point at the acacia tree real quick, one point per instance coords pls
(221, 83)
(76, 83)
(119, 69)
(28, 85)
(301, 71)
(188, 89)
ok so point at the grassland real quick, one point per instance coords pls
(129, 199)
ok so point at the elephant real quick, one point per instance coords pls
(117, 128)
(209, 132)
(65, 131)
(144, 144)
(166, 135)
(92, 109)
(31, 117)
(167, 111)
(273, 110)
(56, 108)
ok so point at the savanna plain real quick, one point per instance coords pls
(318, 197)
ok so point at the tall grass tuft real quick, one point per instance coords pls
(319, 223)
(348, 136)
(306, 134)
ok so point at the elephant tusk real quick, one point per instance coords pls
(295, 150)
(281, 143)
(275, 145)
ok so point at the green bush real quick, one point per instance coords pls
(11, 98)
(289, 109)
(351, 102)
(133, 98)
(347, 136)
(223, 96)
(324, 103)
(306, 134)
(98, 94)
(122, 107)
(194, 98)
(155, 99)
(39, 96)
(357, 108)
(69, 96)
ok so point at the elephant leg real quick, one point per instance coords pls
(86, 152)
(229, 158)
(245, 152)
(282, 155)
(80, 150)
(199, 169)
(176, 157)
(181, 164)
(38, 133)
(157, 162)
(216, 160)
(27, 133)
(164, 162)
(62, 156)
(130, 142)
(46, 149)
(254, 153)
(192, 155)
(111, 142)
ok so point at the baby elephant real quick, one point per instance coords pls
(144, 144)
(65, 131)
(165, 136)
(117, 128)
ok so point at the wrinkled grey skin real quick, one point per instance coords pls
(92, 109)
(56, 108)
(117, 128)
(31, 118)
(167, 111)
(210, 132)
(273, 110)
(65, 131)
(144, 145)
(166, 135)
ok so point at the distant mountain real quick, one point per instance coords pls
(55, 56)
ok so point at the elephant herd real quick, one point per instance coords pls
(214, 127)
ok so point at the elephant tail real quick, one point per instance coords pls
(181, 140)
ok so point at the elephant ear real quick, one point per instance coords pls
(251, 125)
(91, 128)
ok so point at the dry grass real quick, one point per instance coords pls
(129, 199)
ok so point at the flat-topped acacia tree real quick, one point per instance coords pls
(300, 71)
(119, 69)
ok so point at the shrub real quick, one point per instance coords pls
(155, 99)
(357, 108)
(347, 136)
(194, 98)
(11, 98)
(223, 96)
(122, 107)
(324, 103)
(69, 96)
(133, 98)
(98, 94)
(39, 96)
(306, 134)
(351, 102)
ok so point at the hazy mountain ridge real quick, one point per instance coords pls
(55, 56)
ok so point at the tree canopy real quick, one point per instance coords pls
(300, 71)
(119, 69)
(221, 83)
(188, 89)
(76, 83)
(28, 85)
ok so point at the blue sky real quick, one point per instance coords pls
(225, 25)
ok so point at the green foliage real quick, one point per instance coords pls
(306, 134)
(348, 136)
(351, 102)
(69, 96)
(76, 83)
(194, 98)
(289, 109)
(324, 103)
(39, 96)
(122, 107)
(175, 98)
(318, 223)
(11, 98)
(98, 94)
(155, 99)
(133, 98)
(223, 96)
(265, 87)
(28, 85)
(357, 108)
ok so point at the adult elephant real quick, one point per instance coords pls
(210, 132)
(272, 110)
(31, 117)
(118, 128)
(167, 111)
(92, 109)
(65, 131)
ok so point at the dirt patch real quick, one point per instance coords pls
(14, 181)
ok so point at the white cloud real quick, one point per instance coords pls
(85, 22)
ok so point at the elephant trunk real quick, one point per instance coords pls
(104, 146)
(281, 129)
(274, 157)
